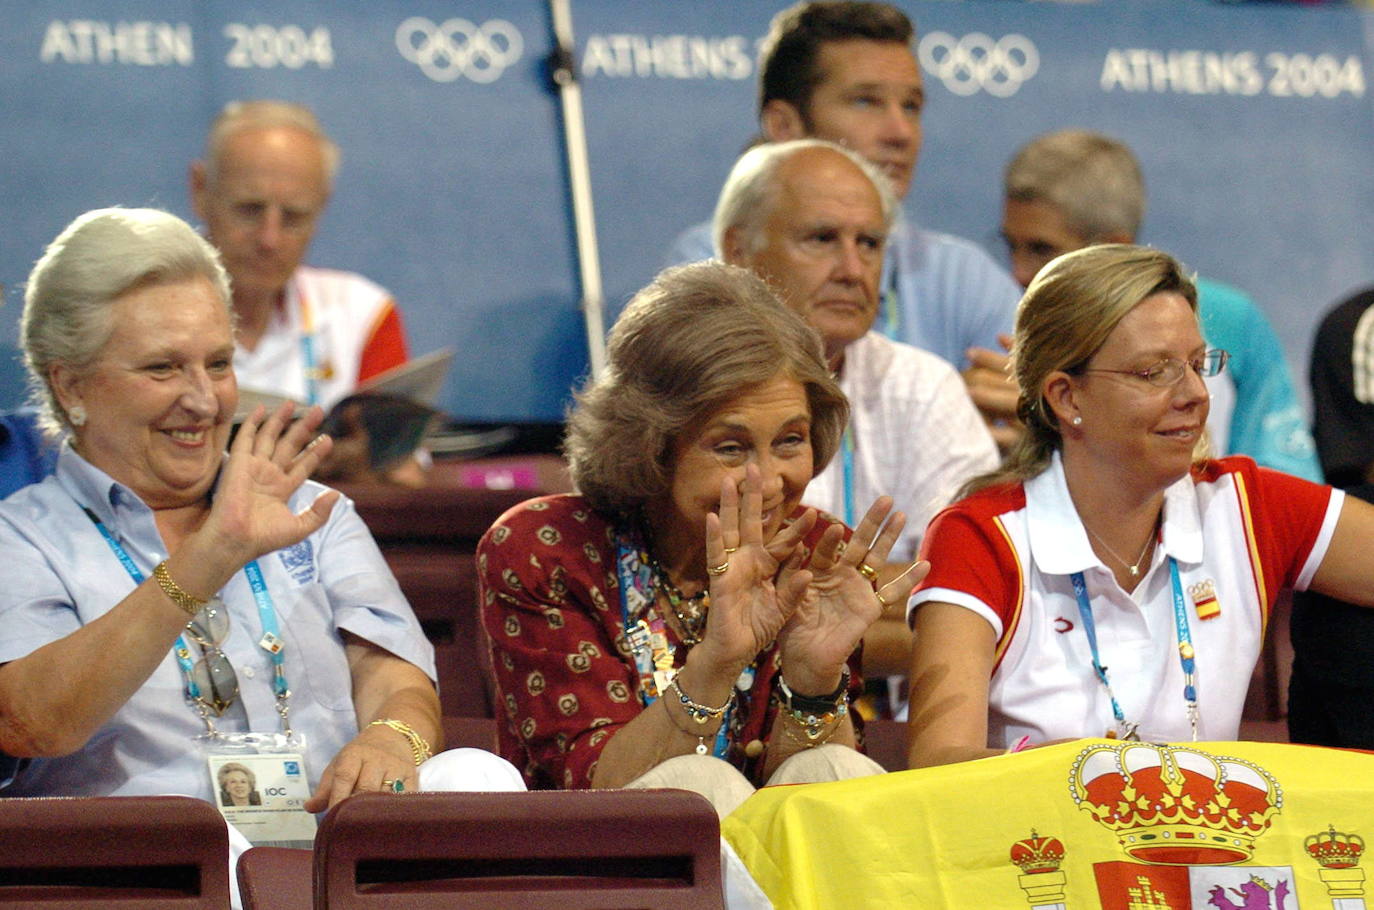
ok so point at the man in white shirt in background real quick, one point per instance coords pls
(305, 333)
(812, 219)
(845, 72)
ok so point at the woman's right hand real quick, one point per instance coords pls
(268, 461)
(751, 599)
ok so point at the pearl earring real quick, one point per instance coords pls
(77, 415)
(1077, 421)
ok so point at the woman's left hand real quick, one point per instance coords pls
(384, 686)
(845, 597)
(269, 459)
(375, 758)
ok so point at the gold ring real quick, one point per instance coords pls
(868, 572)
(394, 786)
(720, 569)
(879, 594)
(729, 550)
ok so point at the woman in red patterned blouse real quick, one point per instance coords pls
(684, 608)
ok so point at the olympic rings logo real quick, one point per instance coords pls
(973, 62)
(458, 48)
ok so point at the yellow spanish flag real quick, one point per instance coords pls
(1091, 824)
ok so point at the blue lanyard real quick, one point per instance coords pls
(271, 633)
(312, 372)
(847, 473)
(637, 576)
(267, 614)
(1187, 657)
(312, 384)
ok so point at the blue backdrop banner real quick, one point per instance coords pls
(1252, 123)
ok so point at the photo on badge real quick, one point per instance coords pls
(263, 795)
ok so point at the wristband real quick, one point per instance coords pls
(816, 704)
(818, 715)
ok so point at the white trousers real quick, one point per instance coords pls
(725, 787)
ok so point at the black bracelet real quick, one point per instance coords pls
(815, 704)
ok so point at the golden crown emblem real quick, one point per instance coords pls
(1034, 855)
(1335, 849)
(1173, 805)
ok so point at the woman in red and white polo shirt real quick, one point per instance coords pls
(1111, 579)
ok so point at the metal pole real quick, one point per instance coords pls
(562, 68)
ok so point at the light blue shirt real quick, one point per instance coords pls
(940, 293)
(1268, 423)
(61, 575)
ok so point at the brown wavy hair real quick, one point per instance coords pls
(696, 338)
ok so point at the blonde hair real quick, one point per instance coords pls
(1066, 315)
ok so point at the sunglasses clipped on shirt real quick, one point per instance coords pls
(213, 675)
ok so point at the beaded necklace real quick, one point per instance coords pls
(690, 611)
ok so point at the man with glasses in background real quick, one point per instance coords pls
(1074, 188)
(305, 333)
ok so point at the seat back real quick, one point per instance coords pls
(276, 878)
(576, 850)
(152, 852)
(885, 742)
(470, 732)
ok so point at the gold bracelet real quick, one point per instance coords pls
(818, 730)
(419, 749)
(188, 602)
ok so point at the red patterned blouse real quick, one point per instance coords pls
(565, 675)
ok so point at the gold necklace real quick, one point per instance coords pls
(1133, 569)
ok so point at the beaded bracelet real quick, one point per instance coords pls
(699, 713)
(816, 715)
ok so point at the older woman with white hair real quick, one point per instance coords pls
(166, 601)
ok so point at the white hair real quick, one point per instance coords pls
(97, 258)
(750, 190)
(265, 114)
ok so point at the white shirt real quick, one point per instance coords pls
(340, 312)
(1008, 554)
(917, 437)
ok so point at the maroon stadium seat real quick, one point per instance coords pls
(150, 852)
(573, 850)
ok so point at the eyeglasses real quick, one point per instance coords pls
(213, 676)
(1168, 372)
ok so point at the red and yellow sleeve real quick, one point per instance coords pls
(386, 345)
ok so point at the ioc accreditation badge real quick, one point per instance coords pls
(263, 796)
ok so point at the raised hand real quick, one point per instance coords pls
(994, 392)
(755, 583)
(268, 462)
(844, 597)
